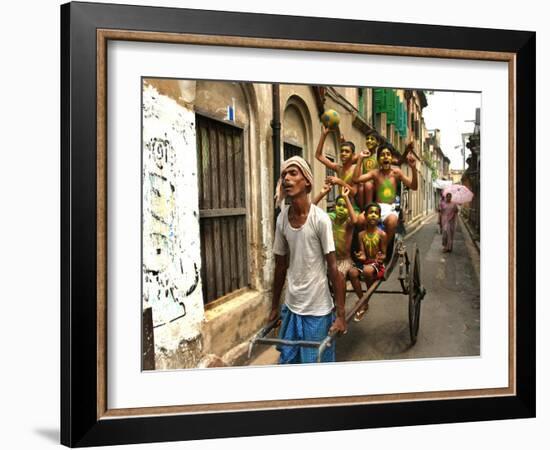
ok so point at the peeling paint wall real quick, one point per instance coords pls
(214, 97)
(265, 192)
(171, 237)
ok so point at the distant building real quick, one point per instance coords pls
(438, 162)
(471, 176)
(435, 155)
(456, 176)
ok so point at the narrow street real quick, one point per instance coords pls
(449, 319)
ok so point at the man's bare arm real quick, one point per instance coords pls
(278, 283)
(339, 325)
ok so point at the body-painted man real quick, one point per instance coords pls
(304, 255)
(386, 178)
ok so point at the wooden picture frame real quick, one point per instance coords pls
(86, 28)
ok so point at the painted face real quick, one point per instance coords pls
(294, 181)
(345, 153)
(341, 209)
(384, 159)
(448, 197)
(373, 215)
(371, 142)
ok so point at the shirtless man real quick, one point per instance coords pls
(385, 179)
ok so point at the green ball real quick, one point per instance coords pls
(330, 118)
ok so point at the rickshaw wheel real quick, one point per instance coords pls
(405, 278)
(416, 293)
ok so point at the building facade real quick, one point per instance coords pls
(472, 177)
(438, 163)
(232, 137)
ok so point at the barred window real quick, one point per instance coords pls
(222, 205)
(291, 150)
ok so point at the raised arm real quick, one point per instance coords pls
(357, 177)
(338, 284)
(410, 182)
(352, 216)
(319, 152)
(335, 180)
(399, 161)
(326, 189)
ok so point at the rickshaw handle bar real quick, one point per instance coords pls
(366, 296)
(287, 342)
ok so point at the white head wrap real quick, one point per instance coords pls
(301, 163)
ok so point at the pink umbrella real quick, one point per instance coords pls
(460, 194)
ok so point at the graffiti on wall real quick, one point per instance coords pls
(170, 234)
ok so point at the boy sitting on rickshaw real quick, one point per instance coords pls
(386, 178)
(372, 251)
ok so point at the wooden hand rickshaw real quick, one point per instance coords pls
(408, 276)
(408, 265)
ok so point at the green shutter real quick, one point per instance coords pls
(405, 119)
(401, 114)
(391, 103)
(379, 101)
(400, 119)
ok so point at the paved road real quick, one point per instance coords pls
(449, 322)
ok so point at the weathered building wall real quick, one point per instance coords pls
(171, 246)
(300, 125)
(232, 319)
(192, 333)
(261, 184)
(213, 98)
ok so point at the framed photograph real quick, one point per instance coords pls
(278, 224)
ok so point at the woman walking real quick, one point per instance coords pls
(449, 214)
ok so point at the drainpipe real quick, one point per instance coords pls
(276, 127)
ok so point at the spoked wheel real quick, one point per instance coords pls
(404, 273)
(416, 293)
